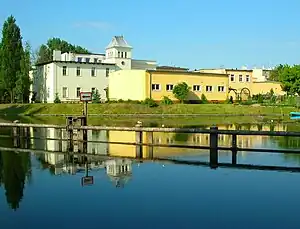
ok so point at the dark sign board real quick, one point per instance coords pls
(88, 180)
(85, 96)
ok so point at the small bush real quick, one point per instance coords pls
(57, 100)
(96, 97)
(204, 99)
(166, 101)
(150, 102)
(260, 98)
(120, 101)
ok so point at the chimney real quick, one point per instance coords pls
(56, 55)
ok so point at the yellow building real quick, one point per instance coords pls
(215, 84)
(155, 84)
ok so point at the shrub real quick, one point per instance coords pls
(57, 100)
(96, 96)
(260, 98)
(120, 101)
(181, 91)
(204, 99)
(150, 102)
(166, 101)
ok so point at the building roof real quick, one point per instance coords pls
(188, 73)
(173, 68)
(72, 62)
(118, 41)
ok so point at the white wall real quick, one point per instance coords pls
(85, 81)
(143, 64)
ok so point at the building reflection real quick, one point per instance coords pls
(121, 150)
(119, 171)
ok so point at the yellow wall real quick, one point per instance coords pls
(203, 79)
(264, 87)
(127, 84)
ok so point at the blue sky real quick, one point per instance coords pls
(190, 33)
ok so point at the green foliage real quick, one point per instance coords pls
(203, 99)
(181, 91)
(46, 50)
(289, 76)
(57, 99)
(22, 89)
(96, 96)
(10, 57)
(260, 98)
(166, 101)
(150, 102)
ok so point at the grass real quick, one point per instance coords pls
(138, 109)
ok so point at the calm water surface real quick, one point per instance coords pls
(41, 190)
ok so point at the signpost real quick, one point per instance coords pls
(87, 180)
(85, 97)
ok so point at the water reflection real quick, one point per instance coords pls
(15, 170)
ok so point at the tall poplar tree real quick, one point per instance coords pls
(11, 55)
(23, 82)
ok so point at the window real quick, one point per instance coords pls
(48, 92)
(107, 72)
(247, 78)
(123, 63)
(240, 78)
(221, 89)
(196, 88)
(232, 78)
(93, 71)
(169, 87)
(79, 59)
(209, 88)
(64, 71)
(155, 87)
(122, 54)
(87, 60)
(93, 90)
(95, 60)
(78, 92)
(119, 54)
(78, 71)
(125, 54)
(65, 92)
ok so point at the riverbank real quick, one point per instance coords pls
(127, 109)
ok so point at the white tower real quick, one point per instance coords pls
(119, 52)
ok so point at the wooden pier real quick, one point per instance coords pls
(77, 136)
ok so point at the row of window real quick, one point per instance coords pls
(78, 71)
(65, 92)
(241, 78)
(87, 60)
(169, 87)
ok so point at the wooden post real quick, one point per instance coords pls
(150, 148)
(213, 147)
(60, 139)
(16, 134)
(234, 149)
(26, 137)
(139, 140)
(69, 128)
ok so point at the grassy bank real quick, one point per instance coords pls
(127, 108)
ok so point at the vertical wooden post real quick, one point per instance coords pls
(234, 149)
(139, 140)
(16, 134)
(213, 147)
(69, 128)
(150, 148)
(26, 137)
(60, 139)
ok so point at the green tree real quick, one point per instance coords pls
(289, 76)
(181, 91)
(274, 74)
(23, 82)
(11, 55)
(96, 96)
(45, 51)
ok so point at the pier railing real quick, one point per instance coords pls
(213, 133)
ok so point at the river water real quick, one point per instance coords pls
(40, 189)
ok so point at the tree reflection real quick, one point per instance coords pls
(14, 169)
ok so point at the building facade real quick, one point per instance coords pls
(216, 85)
(68, 74)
